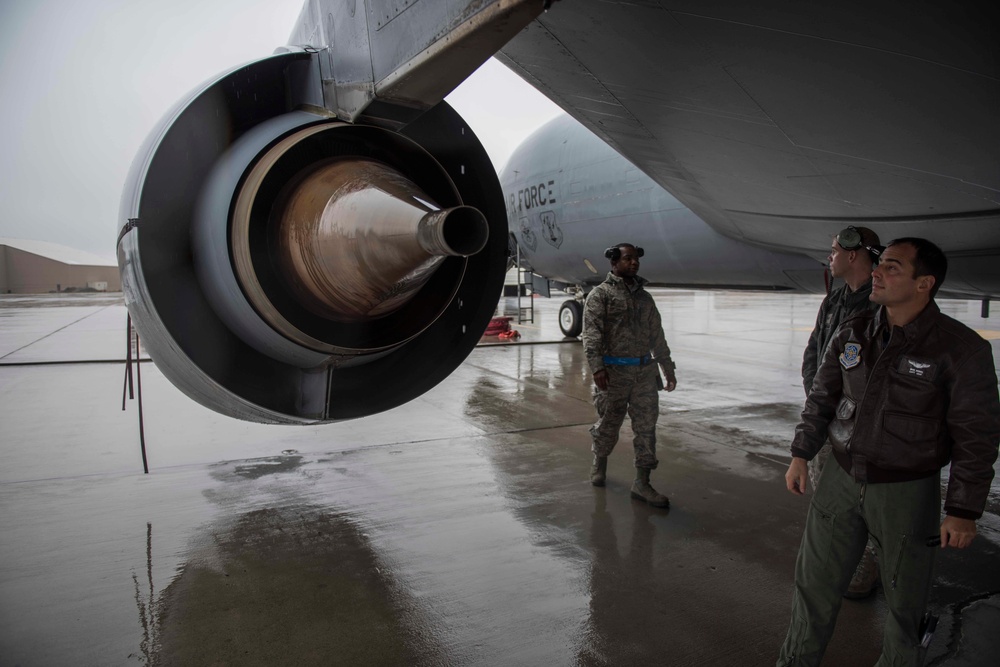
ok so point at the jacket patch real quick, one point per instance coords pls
(851, 356)
(918, 368)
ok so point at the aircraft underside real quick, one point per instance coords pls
(315, 236)
(779, 124)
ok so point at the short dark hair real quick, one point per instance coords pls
(930, 260)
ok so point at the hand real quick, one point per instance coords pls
(601, 379)
(956, 532)
(797, 476)
(671, 382)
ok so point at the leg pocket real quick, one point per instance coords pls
(906, 582)
(820, 526)
(836, 535)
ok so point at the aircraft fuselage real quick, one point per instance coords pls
(569, 196)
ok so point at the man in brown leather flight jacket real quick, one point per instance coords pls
(853, 253)
(901, 392)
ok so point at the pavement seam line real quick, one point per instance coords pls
(53, 333)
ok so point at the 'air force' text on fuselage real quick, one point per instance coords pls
(569, 196)
(532, 197)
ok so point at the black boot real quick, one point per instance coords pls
(643, 491)
(599, 471)
(865, 576)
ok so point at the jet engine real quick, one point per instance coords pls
(282, 266)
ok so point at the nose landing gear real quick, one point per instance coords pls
(571, 318)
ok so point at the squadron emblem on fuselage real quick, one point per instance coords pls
(528, 236)
(550, 230)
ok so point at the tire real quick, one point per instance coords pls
(571, 318)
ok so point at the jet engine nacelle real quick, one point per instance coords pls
(284, 267)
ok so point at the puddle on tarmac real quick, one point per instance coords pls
(272, 465)
(293, 585)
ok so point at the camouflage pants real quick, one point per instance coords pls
(816, 465)
(631, 390)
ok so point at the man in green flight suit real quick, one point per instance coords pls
(853, 253)
(902, 392)
(624, 343)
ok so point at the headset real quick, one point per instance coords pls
(614, 253)
(850, 239)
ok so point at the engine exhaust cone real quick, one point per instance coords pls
(342, 242)
(357, 239)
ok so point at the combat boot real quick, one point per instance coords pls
(599, 471)
(865, 576)
(643, 491)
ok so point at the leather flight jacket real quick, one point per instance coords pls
(837, 306)
(900, 403)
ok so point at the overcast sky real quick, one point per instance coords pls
(84, 81)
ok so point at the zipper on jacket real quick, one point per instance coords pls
(871, 374)
(864, 395)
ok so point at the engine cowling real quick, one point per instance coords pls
(284, 267)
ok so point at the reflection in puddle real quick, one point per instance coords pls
(626, 598)
(290, 585)
(149, 608)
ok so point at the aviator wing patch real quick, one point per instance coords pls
(919, 368)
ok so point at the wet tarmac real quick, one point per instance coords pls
(459, 529)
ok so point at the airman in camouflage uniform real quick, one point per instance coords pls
(621, 327)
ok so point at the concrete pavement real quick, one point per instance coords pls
(459, 529)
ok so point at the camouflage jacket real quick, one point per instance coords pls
(619, 321)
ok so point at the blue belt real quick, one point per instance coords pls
(627, 361)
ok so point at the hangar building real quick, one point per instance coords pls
(38, 267)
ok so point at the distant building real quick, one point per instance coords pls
(38, 267)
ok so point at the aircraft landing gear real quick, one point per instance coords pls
(571, 318)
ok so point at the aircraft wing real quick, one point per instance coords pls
(781, 123)
(401, 53)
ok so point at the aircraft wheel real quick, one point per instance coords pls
(571, 318)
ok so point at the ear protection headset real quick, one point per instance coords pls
(614, 253)
(850, 239)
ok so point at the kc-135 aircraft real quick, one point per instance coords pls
(569, 196)
(317, 236)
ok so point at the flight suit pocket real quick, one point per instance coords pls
(820, 526)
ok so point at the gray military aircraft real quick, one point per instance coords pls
(317, 236)
(569, 196)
